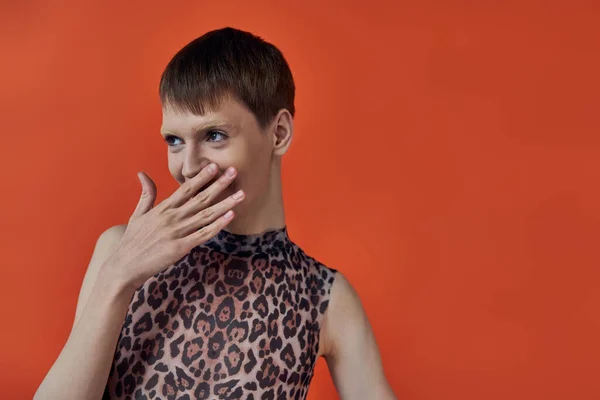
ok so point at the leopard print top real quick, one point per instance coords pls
(237, 318)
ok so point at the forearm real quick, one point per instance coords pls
(81, 370)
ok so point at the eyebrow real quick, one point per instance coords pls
(196, 130)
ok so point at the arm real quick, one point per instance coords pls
(350, 350)
(124, 258)
(105, 246)
(82, 367)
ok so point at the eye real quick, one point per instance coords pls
(169, 140)
(215, 136)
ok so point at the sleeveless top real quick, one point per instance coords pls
(236, 318)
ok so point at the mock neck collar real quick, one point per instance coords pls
(271, 241)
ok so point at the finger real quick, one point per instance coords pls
(209, 231)
(189, 189)
(148, 196)
(205, 198)
(210, 214)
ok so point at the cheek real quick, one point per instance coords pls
(252, 166)
(239, 162)
(253, 179)
(175, 169)
(225, 160)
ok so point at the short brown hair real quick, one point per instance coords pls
(229, 62)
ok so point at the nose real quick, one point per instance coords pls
(193, 163)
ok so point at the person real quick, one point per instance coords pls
(205, 295)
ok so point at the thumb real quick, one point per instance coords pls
(147, 197)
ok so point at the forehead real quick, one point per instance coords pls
(229, 113)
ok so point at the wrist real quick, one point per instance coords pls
(112, 281)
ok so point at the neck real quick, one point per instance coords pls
(263, 213)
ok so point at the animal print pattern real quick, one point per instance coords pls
(237, 318)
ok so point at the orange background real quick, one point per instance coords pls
(446, 159)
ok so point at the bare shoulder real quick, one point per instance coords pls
(106, 244)
(116, 229)
(343, 296)
(350, 347)
(114, 232)
(345, 311)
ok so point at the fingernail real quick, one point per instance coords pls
(228, 214)
(238, 195)
(212, 167)
(230, 172)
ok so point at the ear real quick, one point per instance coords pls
(282, 131)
